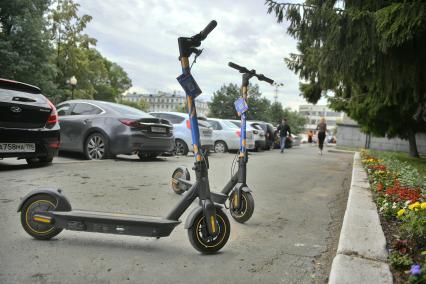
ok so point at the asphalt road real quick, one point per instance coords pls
(300, 200)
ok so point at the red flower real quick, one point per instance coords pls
(379, 187)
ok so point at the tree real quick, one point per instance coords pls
(182, 108)
(75, 55)
(142, 104)
(25, 47)
(222, 104)
(370, 54)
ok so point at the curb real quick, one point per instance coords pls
(341, 151)
(361, 253)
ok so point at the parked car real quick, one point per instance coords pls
(182, 131)
(104, 129)
(226, 136)
(291, 141)
(269, 131)
(258, 134)
(29, 126)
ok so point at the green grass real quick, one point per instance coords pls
(418, 163)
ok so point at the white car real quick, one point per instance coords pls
(182, 131)
(258, 134)
(226, 135)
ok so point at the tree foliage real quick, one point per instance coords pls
(25, 49)
(260, 108)
(369, 54)
(222, 104)
(42, 42)
(142, 104)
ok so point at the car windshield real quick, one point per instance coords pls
(123, 109)
(204, 123)
(237, 123)
(230, 124)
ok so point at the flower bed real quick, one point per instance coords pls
(400, 195)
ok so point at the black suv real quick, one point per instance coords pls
(29, 126)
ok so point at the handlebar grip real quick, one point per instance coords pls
(262, 77)
(238, 67)
(204, 33)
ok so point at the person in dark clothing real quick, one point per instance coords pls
(285, 132)
(322, 129)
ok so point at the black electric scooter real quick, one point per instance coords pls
(46, 212)
(241, 202)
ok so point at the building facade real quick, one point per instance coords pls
(314, 113)
(167, 102)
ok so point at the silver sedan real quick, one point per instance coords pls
(102, 129)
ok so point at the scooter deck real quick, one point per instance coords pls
(114, 223)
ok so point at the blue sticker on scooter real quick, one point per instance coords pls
(189, 85)
(241, 105)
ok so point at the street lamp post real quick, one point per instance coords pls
(277, 85)
(73, 83)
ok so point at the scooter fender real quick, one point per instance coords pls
(239, 187)
(62, 203)
(191, 217)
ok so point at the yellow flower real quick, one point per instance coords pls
(423, 205)
(414, 206)
(400, 212)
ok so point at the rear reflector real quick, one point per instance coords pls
(54, 145)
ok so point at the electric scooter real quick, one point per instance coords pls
(46, 212)
(241, 202)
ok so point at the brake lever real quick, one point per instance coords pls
(197, 53)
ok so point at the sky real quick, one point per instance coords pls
(141, 36)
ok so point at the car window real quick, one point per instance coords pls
(85, 109)
(230, 124)
(174, 119)
(204, 123)
(64, 109)
(257, 126)
(127, 110)
(237, 123)
(214, 124)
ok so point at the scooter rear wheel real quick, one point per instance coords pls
(199, 236)
(35, 205)
(246, 208)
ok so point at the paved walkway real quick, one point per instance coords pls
(300, 201)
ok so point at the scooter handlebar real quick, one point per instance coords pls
(238, 67)
(204, 33)
(262, 77)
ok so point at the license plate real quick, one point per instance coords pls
(207, 133)
(158, 129)
(17, 147)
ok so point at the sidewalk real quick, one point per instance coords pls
(361, 255)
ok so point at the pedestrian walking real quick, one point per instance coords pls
(285, 132)
(322, 129)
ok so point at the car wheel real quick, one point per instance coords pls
(181, 149)
(220, 147)
(96, 147)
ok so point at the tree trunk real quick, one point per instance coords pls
(413, 145)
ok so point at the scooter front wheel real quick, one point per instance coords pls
(245, 210)
(39, 204)
(200, 238)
